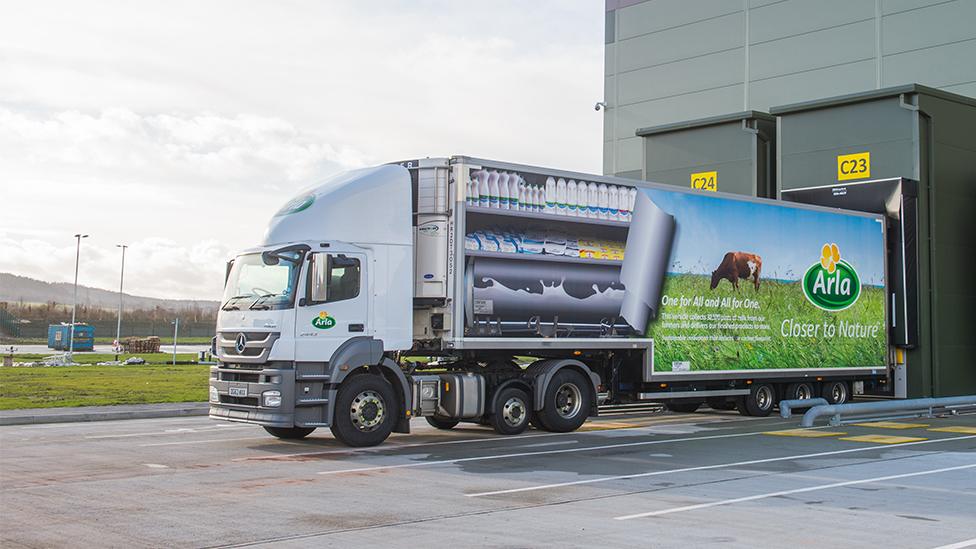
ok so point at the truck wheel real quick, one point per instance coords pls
(759, 402)
(511, 413)
(290, 433)
(799, 391)
(835, 392)
(365, 411)
(720, 403)
(442, 423)
(567, 402)
(683, 407)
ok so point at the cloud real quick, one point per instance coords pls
(184, 126)
(184, 191)
(154, 267)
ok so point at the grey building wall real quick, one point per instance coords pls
(674, 60)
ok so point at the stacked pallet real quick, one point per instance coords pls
(140, 345)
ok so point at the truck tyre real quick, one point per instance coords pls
(510, 415)
(683, 407)
(290, 433)
(836, 392)
(365, 411)
(567, 402)
(720, 403)
(799, 391)
(759, 402)
(442, 423)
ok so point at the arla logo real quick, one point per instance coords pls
(831, 283)
(297, 204)
(323, 321)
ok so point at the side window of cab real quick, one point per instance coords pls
(332, 277)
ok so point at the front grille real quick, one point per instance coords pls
(244, 366)
(244, 401)
(256, 350)
(248, 351)
(239, 376)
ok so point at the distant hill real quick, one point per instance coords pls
(15, 289)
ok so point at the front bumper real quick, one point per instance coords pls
(255, 381)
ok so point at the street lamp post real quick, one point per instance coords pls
(176, 328)
(118, 326)
(74, 302)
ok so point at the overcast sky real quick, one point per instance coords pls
(180, 127)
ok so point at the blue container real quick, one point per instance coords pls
(59, 334)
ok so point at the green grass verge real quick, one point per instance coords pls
(53, 386)
(778, 301)
(95, 358)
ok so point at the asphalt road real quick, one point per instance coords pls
(665, 480)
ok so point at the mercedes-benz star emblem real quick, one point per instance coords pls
(240, 343)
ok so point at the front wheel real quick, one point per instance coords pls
(365, 411)
(290, 433)
(567, 402)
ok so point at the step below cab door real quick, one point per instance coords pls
(335, 305)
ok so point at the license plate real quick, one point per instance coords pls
(238, 391)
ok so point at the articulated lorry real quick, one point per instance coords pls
(467, 290)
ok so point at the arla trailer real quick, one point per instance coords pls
(461, 289)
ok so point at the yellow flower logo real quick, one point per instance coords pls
(323, 314)
(829, 257)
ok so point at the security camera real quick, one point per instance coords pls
(599, 105)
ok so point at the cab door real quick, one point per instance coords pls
(335, 304)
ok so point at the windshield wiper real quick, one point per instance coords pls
(259, 301)
(226, 304)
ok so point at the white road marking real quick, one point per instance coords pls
(531, 454)
(543, 444)
(788, 492)
(208, 441)
(156, 466)
(707, 467)
(182, 431)
(959, 545)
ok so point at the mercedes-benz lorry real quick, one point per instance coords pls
(467, 290)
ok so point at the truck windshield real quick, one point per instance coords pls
(252, 284)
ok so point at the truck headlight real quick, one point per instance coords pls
(214, 395)
(271, 399)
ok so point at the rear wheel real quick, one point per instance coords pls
(442, 423)
(567, 402)
(720, 403)
(365, 411)
(799, 391)
(836, 392)
(759, 402)
(510, 415)
(290, 433)
(683, 407)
